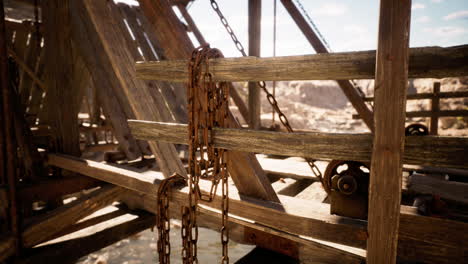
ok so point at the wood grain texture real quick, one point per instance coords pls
(71, 251)
(255, 29)
(244, 168)
(435, 108)
(69, 214)
(447, 190)
(98, 21)
(433, 240)
(451, 62)
(391, 76)
(61, 105)
(428, 150)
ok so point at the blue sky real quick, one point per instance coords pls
(346, 24)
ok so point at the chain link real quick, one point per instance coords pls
(162, 218)
(207, 109)
(270, 97)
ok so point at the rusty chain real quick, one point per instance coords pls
(163, 219)
(207, 109)
(270, 97)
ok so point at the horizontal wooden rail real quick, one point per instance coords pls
(430, 150)
(442, 113)
(433, 62)
(421, 238)
(418, 96)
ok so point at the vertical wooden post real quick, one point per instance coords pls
(391, 77)
(255, 17)
(63, 96)
(8, 141)
(435, 108)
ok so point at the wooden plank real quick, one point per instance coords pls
(90, 222)
(95, 21)
(346, 86)
(69, 214)
(435, 108)
(427, 150)
(54, 188)
(332, 66)
(71, 250)
(441, 113)
(255, 26)
(244, 168)
(26, 68)
(421, 238)
(455, 94)
(391, 75)
(447, 190)
(62, 117)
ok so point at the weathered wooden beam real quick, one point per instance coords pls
(346, 86)
(447, 190)
(98, 22)
(255, 27)
(54, 188)
(246, 172)
(69, 214)
(430, 113)
(435, 109)
(71, 250)
(391, 76)
(191, 24)
(27, 69)
(8, 147)
(427, 150)
(418, 96)
(62, 117)
(425, 239)
(90, 222)
(451, 62)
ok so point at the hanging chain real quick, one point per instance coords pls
(162, 218)
(207, 109)
(270, 97)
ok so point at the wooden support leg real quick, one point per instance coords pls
(255, 17)
(390, 101)
(95, 23)
(8, 147)
(63, 96)
(435, 108)
(67, 215)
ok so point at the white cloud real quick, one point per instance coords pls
(457, 15)
(331, 9)
(449, 31)
(422, 19)
(417, 6)
(437, 1)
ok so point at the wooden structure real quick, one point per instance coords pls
(111, 88)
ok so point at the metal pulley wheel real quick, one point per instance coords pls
(347, 177)
(416, 130)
